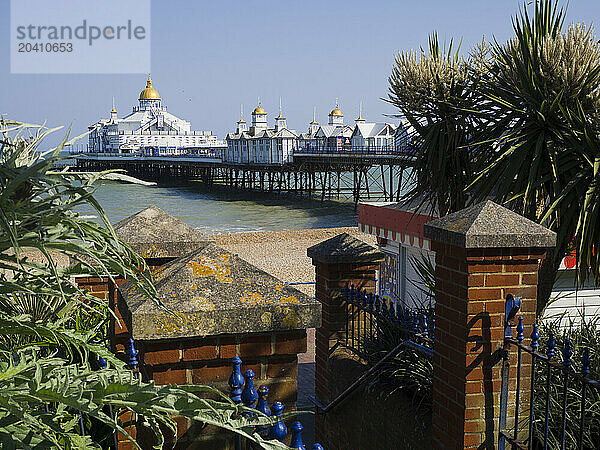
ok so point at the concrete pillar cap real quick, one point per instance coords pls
(344, 249)
(153, 233)
(211, 291)
(489, 225)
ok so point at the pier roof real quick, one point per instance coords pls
(212, 291)
(153, 233)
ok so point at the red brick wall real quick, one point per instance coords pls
(272, 356)
(331, 280)
(471, 290)
(104, 289)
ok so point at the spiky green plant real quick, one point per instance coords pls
(435, 91)
(424, 267)
(50, 328)
(541, 107)
(409, 371)
(518, 121)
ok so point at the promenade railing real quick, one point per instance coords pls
(564, 382)
(355, 150)
(209, 154)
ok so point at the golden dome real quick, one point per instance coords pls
(259, 110)
(336, 112)
(149, 93)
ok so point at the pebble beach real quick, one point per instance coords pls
(283, 253)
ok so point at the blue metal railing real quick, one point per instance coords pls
(573, 382)
(367, 315)
(242, 390)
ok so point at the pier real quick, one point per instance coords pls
(325, 174)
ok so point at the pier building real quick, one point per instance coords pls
(260, 144)
(364, 160)
(333, 136)
(309, 139)
(149, 130)
(373, 135)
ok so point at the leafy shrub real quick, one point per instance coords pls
(409, 371)
(51, 330)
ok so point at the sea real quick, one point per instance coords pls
(217, 209)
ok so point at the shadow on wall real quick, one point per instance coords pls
(480, 337)
(372, 419)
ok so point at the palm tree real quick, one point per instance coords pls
(51, 331)
(517, 121)
(541, 108)
(436, 94)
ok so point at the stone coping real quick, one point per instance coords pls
(488, 225)
(344, 249)
(153, 233)
(211, 291)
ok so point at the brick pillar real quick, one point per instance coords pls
(339, 260)
(483, 253)
(221, 306)
(159, 238)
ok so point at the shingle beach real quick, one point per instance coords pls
(283, 253)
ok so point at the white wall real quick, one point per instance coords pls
(569, 303)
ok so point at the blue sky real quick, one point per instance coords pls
(208, 57)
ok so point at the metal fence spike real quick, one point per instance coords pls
(566, 352)
(520, 330)
(262, 404)
(585, 362)
(132, 353)
(236, 381)
(535, 337)
(550, 346)
(297, 436)
(249, 394)
(278, 430)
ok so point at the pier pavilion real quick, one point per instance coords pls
(149, 130)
